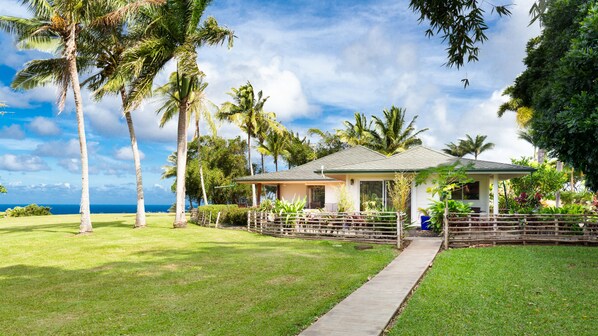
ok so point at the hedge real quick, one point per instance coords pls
(230, 214)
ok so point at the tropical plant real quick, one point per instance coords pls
(2, 189)
(391, 134)
(455, 149)
(475, 146)
(55, 26)
(444, 179)
(329, 143)
(437, 210)
(173, 31)
(247, 112)
(545, 181)
(29, 210)
(275, 144)
(298, 150)
(264, 128)
(345, 202)
(358, 133)
(523, 113)
(400, 191)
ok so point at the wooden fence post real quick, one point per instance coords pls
(249, 220)
(399, 230)
(446, 226)
(217, 219)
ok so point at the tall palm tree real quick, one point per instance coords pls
(264, 127)
(106, 46)
(173, 31)
(298, 150)
(455, 149)
(173, 94)
(329, 142)
(392, 135)
(523, 113)
(475, 146)
(274, 145)
(358, 133)
(55, 26)
(247, 112)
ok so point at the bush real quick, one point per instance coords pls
(230, 214)
(436, 212)
(567, 209)
(30, 210)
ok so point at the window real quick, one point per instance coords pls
(470, 191)
(269, 192)
(317, 196)
(375, 195)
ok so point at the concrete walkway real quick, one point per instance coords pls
(369, 309)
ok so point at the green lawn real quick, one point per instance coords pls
(160, 281)
(507, 290)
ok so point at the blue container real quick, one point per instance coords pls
(425, 222)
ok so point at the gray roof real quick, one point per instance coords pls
(311, 170)
(419, 158)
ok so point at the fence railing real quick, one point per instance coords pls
(205, 218)
(377, 227)
(522, 228)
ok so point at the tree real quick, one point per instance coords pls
(523, 113)
(274, 145)
(455, 149)
(106, 46)
(173, 31)
(329, 143)
(298, 150)
(559, 84)
(56, 26)
(475, 146)
(263, 128)
(392, 135)
(2, 189)
(356, 134)
(247, 112)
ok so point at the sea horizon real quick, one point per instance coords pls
(71, 209)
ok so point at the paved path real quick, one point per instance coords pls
(369, 309)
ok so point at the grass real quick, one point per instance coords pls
(507, 290)
(161, 281)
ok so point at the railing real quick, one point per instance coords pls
(522, 228)
(204, 218)
(376, 227)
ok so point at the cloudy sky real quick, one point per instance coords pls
(319, 61)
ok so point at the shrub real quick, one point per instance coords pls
(230, 214)
(570, 209)
(29, 210)
(436, 212)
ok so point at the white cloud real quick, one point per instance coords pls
(13, 162)
(13, 131)
(43, 126)
(72, 165)
(126, 154)
(61, 149)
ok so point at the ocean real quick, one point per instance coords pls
(67, 209)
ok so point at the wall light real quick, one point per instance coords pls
(352, 181)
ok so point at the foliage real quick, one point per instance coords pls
(444, 179)
(2, 189)
(469, 145)
(29, 210)
(574, 197)
(560, 84)
(345, 202)
(391, 134)
(292, 207)
(569, 209)
(436, 212)
(230, 214)
(329, 143)
(400, 190)
(515, 290)
(220, 275)
(358, 133)
(275, 144)
(298, 150)
(545, 181)
(461, 23)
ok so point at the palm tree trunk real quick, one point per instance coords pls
(140, 216)
(253, 195)
(180, 220)
(263, 167)
(276, 162)
(71, 52)
(203, 186)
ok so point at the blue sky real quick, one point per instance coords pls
(319, 61)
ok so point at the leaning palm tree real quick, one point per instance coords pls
(173, 31)
(55, 26)
(358, 133)
(392, 135)
(173, 94)
(106, 46)
(247, 112)
(274, 145)
(475, 146)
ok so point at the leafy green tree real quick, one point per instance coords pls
(2, 189)
(546, 180)
(56, 26)
(329, 143)
(298, 150)
(173, 31)
(560, 84)
(247, 112)
(475, 146)
(392, 134)
(358, 133)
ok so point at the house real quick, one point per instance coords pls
(367, 174)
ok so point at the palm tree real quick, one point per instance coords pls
(56, 26)
(264, 127)
(106, 46)
(455, 149)
(356, 134)
(174, 93)
(524, 114)
(475, 146)
(329, 142)
(274, 145)
(247, 112)
(392, 135)
(298, 150)
(173, 31)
